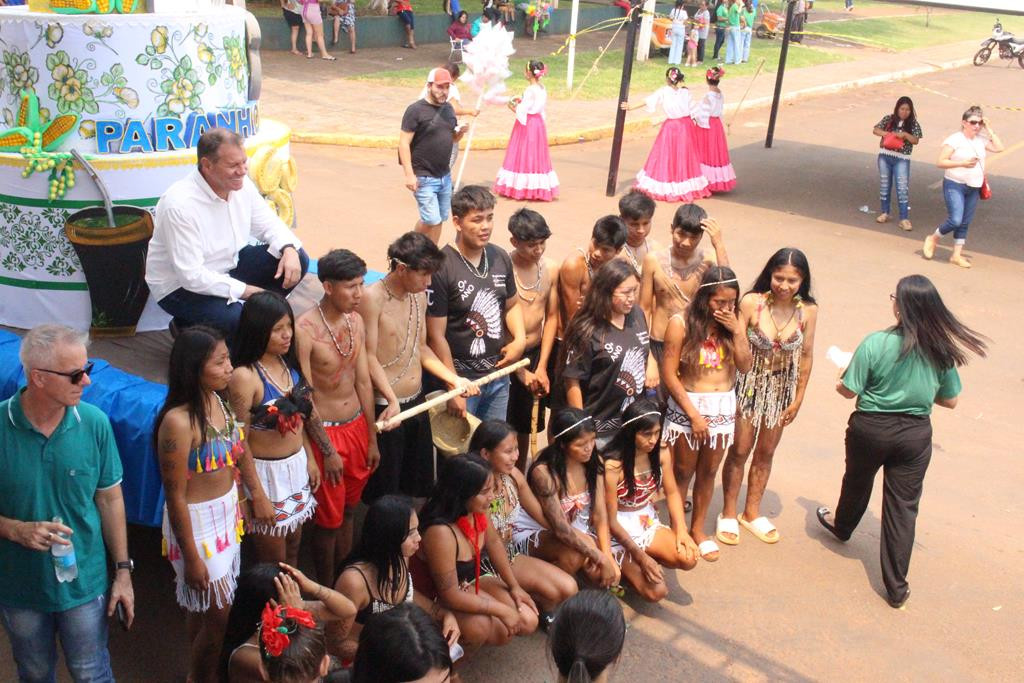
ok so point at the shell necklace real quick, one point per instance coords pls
(413, 319)
(473, 269)
(348, 326)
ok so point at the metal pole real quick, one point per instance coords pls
(573, 24)
(620, 113)
(778, 76)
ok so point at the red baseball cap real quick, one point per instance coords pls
(439, 76)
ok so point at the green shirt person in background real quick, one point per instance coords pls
(59, 459)
(896, 375)
(734, 36)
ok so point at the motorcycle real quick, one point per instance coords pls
(1009, 47)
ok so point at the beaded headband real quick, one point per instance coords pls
(720, 282)
(639, 417)
(571, 427)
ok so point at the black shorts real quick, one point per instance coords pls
(520, 398)
(293, 19)
(658, 350)
(406, 457)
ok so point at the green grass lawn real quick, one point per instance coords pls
(904, 33)
(649, 76)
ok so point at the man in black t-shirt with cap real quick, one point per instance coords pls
(429, 128)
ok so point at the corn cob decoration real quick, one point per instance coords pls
(73, 6)
(36, 142)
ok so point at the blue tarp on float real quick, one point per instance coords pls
(132, 404)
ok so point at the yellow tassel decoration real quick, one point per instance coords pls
(206, 549)
(163, 547)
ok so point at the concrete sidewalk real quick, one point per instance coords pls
(323, 104)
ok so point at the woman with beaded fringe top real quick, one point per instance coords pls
(779, 315)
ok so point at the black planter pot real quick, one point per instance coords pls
(114, 262)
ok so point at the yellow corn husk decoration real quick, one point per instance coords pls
(289, 175)
(59, 128)
(28, 111)
(281, 203)
(127, 6)
(270, 174)
(206, 550)
(256, 164)
(13, 139)
(73, 6)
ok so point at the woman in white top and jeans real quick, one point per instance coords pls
(679, 17)
(963, 157)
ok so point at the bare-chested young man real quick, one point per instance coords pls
(329, 342)
(671, 275)
(537, 288)
(577, 271)
(637, 211)
(394, 311)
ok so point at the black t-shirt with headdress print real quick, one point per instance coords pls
(611, 370)
(474, 306)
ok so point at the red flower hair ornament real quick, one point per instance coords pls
(277, 624)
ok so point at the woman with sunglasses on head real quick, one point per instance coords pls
(633, 473)
(572, 532)
(608, 359)
(199, 445)
(963, 158)
(779, 317)
(267, 389)
(457, 538)
(897, 375)
(376, 576)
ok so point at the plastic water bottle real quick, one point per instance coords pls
(65, 566)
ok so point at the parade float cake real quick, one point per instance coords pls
(131, 90)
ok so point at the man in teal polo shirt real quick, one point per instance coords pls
(58, 459)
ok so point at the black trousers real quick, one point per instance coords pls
(719, 39)
(901, 445)
(700, 49)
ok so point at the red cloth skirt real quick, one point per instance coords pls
(714, 156)
(673, 171)
(526, 172)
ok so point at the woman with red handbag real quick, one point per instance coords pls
(963, 158)
(899, 131)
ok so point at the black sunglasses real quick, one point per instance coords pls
(75, 375)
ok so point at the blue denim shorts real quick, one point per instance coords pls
(434, 198)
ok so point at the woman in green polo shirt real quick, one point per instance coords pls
(896, 375)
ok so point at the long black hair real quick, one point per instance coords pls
(461, 477)
(700, 320)
(587, 635)
(908, 124)
(255, 588)
(931, 329)
(260, 313)
(623, 447)
(192, 349)
(554, 456)
(384, 530)
(596, 311)
(489, 434)
(787, 256)
(402, 644)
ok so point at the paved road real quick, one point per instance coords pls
(807, 608)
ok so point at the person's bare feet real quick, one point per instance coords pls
(296, 52)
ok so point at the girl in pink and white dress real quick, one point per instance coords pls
(526, 172)
(672, 172)
(714, 149)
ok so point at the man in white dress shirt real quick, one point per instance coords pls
(201, 265)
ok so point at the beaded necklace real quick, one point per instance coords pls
(473, 269)
(348, 326)
(413, 319)
(287, 373)
(535, 287)
(639, 267)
